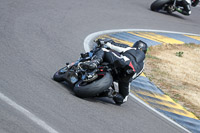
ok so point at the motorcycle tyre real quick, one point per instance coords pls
(158, 4)
(58, 76)
(94, 88)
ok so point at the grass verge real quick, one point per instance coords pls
(176, 70)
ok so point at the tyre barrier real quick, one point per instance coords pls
(142, 87)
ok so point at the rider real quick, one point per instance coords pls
(130, 61)
(184, 7)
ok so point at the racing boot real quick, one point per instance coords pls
(118, 98)
(107, 93)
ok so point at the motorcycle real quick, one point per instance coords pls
(85, 82)
(169, 6)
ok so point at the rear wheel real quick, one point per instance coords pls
(159, 4)
(83, 89)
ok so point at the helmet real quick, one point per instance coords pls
(195, 3)
(141, 45)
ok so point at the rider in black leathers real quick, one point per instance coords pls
(184, 7)
(130, 61)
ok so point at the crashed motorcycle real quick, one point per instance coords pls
(169, 6)
(86, 82)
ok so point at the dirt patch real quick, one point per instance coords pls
(176, 70)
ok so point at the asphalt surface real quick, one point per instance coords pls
(38, 37)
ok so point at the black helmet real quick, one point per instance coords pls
(141, 45)
(195, 3)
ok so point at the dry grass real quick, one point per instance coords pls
(176, 70)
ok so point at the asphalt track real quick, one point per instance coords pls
(38, 37)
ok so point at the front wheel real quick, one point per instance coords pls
(59, 75)
(159, 4)
(84, 90)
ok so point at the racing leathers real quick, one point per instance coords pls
(184, 6)
(130, 62)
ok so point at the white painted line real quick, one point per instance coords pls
(89, 39)
(28, 114)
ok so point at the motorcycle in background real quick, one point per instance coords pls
(169, 6)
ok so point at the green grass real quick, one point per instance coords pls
(179, 54)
